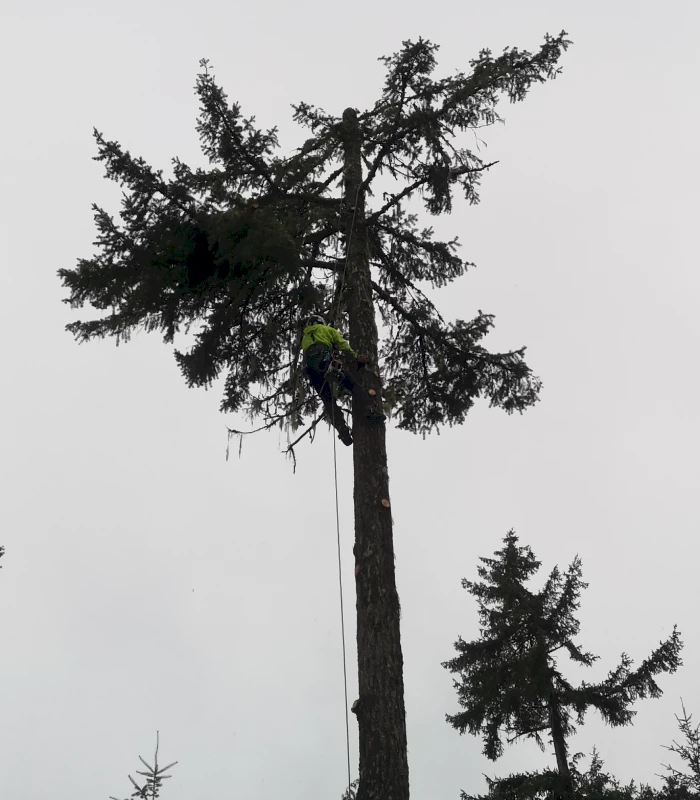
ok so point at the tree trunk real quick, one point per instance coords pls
(559, 744)
(380, 710)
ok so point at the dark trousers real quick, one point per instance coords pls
(318, 359)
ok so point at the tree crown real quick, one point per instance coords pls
(509, 678)
(243, 250)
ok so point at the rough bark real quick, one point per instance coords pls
(380, 709)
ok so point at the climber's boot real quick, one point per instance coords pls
(345, 437)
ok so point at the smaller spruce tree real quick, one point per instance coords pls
(688, 779)
(154, 777)
(510, 682)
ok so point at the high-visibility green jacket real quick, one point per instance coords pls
(324, 334)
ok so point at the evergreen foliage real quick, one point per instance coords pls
(597, 784)
(154, 775)
(510, 682)
(689, 752)
(593, 784)
(241, 251)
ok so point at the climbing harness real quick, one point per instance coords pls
(335, 374)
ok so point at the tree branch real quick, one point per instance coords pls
(302, 197)
(308, 432)
(400, 310)
(396, 198)
(270, 424)
(324, 233)
(456, 171)
(317, 263)
(529, 732)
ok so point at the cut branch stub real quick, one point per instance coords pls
(372, 392)
(385, 502)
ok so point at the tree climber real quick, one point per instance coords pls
(318, 343)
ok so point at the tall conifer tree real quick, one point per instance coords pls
(242, 251)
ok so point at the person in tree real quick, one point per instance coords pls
(318, 343)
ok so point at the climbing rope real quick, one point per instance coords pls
(342, 612)
(335, 476)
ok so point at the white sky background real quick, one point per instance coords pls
(148, 584)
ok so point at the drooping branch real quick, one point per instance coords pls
(275, 420)
(442, 337)
(308, 432)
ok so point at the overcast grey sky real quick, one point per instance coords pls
(148, 584)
